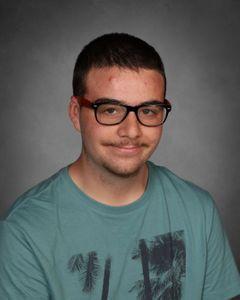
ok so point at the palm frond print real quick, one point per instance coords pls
(88, 268)
(166, 258)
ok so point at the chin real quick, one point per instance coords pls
(123, 171)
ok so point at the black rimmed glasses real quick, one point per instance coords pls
(112, 112)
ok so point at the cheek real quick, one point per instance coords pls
(87, 123)
(87, 129)
(93, 133)
(154, 136)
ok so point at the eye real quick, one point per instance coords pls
(148, 111)
(110, 110)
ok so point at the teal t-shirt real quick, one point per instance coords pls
(58, 243)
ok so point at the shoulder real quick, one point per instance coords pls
(36, 206)
(183, 191)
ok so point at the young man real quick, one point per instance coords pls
(113, 225)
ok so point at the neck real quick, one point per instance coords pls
(105, 187)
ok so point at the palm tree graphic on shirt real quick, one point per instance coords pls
(165, 260)
(163, 268)
(89, 270)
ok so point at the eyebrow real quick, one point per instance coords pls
(108, 100)
(115, 101)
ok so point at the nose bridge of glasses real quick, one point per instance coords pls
(133, 109)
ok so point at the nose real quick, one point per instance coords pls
(130, 127)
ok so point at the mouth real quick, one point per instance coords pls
(127, 149)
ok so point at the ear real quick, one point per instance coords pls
(74, 112)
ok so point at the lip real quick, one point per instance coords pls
(127, 149)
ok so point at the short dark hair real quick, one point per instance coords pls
(114, 49)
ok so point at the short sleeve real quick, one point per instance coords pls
(222, 280)
(21, 276)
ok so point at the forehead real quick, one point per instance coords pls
(124, 84)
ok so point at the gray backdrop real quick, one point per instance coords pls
(200, 45)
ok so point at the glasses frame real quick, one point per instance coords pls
(94, 105)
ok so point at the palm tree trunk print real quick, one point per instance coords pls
(106, 278)
(145, 259)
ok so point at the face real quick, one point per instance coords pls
(121, 149)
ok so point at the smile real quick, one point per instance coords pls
(127, 149)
